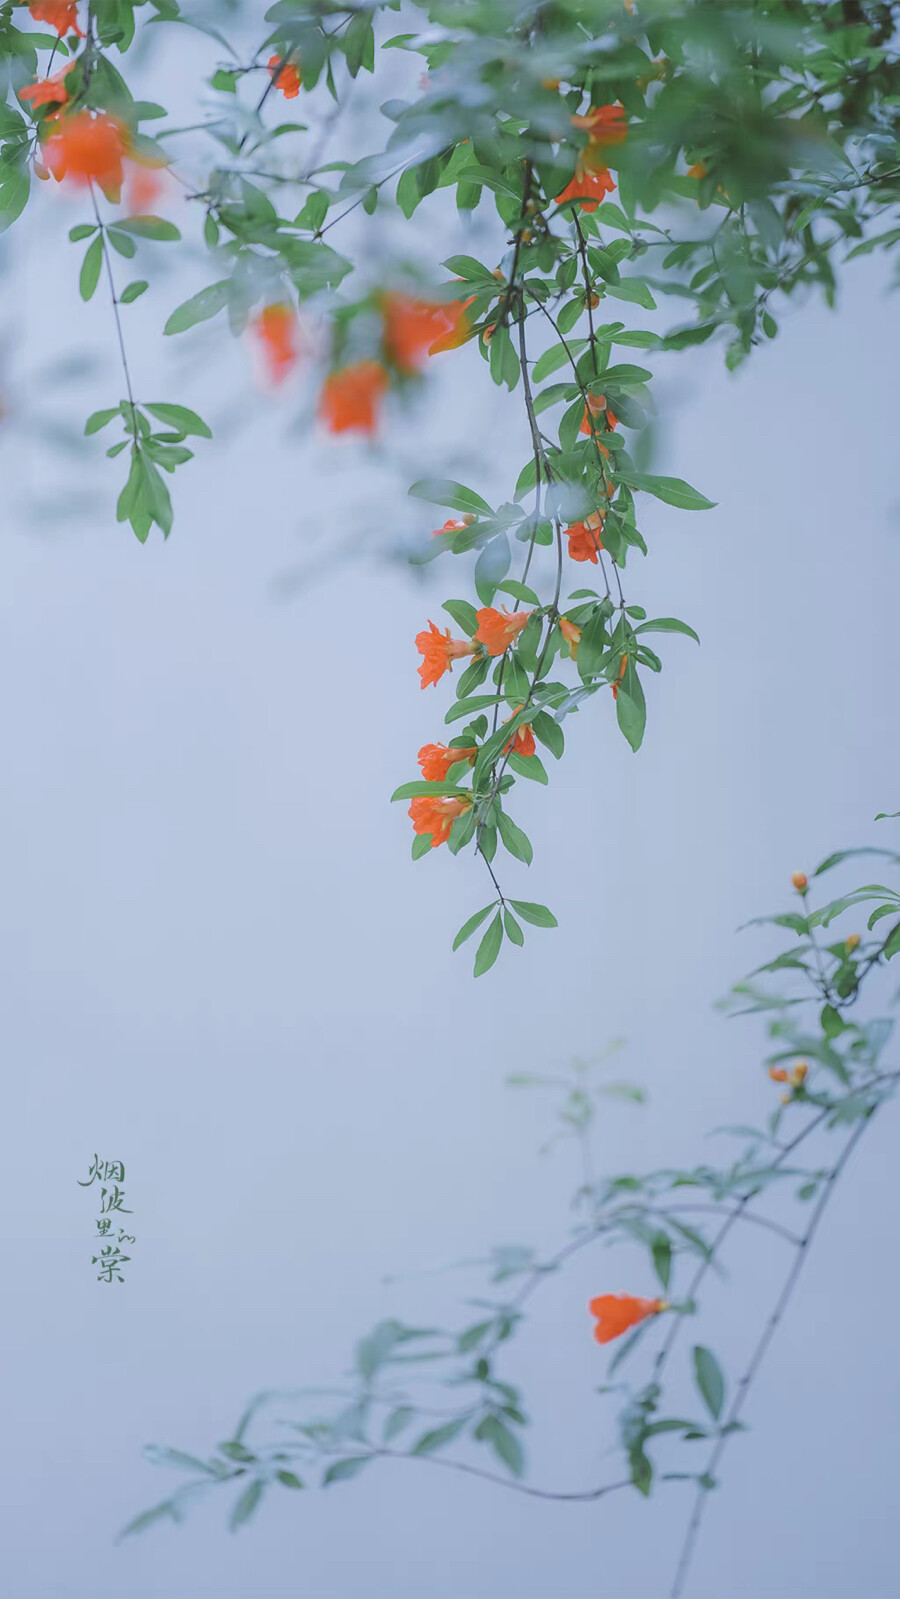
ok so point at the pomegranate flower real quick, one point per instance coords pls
(437, 759)
(351, 397)
(497, 630)
(59, 14)
(47, 91)
(438, 651)
(571, 632)
(276, 329)
(584, 538)
(435, 815)
(88, 147)
(412, 326)
(285, 76)
(618, 1313)
(522, 742)
(604, 124)
(456, 326)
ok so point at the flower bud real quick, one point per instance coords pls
(799, 881)
(851, 943)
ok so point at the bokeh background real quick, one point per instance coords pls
(221, 966)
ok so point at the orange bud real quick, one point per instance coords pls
(778, 1074)
(799, 1074)
(799, 882)
(851, 943)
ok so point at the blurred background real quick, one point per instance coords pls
(222, 967)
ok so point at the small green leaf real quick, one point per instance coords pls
(438, 1436)
(289, 1480)
(179, 417)
(513, 930)
(91, 266)
(443, 491)
(132, 290)
(489, 948)
(343, 1470)
(673, 490)
(150, 227)
(100, 419)
(199, 308)
(468, 928)
(538, 915)
(667, 624)
(515, 840)
(245, 1505)
(709, 1378)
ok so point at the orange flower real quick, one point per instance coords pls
(522, 741)
(437, 759)
(571, 632)
(498, 629)
(143, 189)
(799, 881)
(851, 943)
(799, 1074)
(287, 79)
(605, 124)
(438, 651)
(778, 1074)
(276, 329)
(435, 815)
(589, 184)
(584, 538)
(698, 170)
(89, 147)
(597, 407)
(47, 91)
(457, 325)
(617, 1313)
(412, 326)
(59, 14)
(622, 668)
(455, 525)
(350, 397)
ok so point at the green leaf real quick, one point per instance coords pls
(661, 1250)
(557, 356)
(149, 227)
(289, 1480)
(631, 707)
(397, 1420)
(91, 267)
(463, 614)
(537, 915)
(121, 243)
(491, 567)
(199, 308)
(408, 195)
(443, 491)
(667, 624)
(468, 928)
(438, 1436)
(633, 290)
(132, 290)
(100, 419)
(709, 1379)
(892, 945)
(471, 271)
(514, 839)
(245, 1505)
(489, 948)
(343, 1470)
(513, 930)
(82, 231)
(180, 418)
(421, 844)
(503, 1441)
(549, 732)
(415, 789)
(673, 490)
